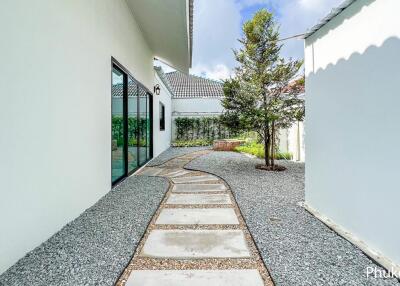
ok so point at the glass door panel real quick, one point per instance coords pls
(143, 125)
(131, 124)
(117, 114)
(133, 130)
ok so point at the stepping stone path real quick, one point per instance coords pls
(197, 236)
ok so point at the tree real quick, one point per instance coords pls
(255, 100)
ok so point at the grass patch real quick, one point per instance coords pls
(257, 150)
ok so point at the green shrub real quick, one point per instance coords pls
(135, 126)
(257, 150)
(284, 156)
(207, 128)
(192, 143)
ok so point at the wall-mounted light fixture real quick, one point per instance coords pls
(157, 89)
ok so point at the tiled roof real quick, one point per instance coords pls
(162, 76)
(117, 89)
(186, 86)
(295, 86)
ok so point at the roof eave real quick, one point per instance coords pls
(334, 12)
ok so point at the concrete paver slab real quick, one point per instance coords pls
(245, 277)
(195, 179)
(198, 216)
(197, 188)
(195, 244)
(199, 199)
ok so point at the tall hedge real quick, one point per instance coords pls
(207, 128)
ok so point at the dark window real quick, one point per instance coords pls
(162, 116)
(131, 123)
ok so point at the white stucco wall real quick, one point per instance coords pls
(196, 106)
(295, 141)
(352, 76)
(292, 140)
(161, 138)
(55, 119)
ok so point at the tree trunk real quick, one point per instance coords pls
(266, 145)
(273, 145)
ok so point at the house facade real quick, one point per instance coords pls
(352, 74)
(78, 110)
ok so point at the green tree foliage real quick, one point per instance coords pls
(135, 126)
(258, 98)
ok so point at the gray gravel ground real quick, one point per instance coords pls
(174, 152)
(95, 248)
(297, 248)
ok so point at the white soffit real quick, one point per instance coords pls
(167, 27)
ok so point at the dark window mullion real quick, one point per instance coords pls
(145, 137)
(138, 125)
(125, 120)
(151, 124)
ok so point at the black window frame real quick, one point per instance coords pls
(162, 116)
(116, 65)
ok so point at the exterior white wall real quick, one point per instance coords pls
(55, 119)
(161, 139)
(283, 140)
(196, 106)
(292, 140)
(352, 76)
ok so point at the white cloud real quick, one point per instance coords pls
(217, 28)
(248, 3)
(216, 72)
(296, 16)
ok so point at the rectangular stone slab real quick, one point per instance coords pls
(245, 277)
(199, 199)
(177, 173)
(195, 179)
(151, 172)
(195, 244)
(198, 216)
(197, 188)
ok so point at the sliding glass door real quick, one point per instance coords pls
(131, 124)
(133, 130)
(118, 125)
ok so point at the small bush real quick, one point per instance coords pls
(284, 156)
(257, 150)
(192, 143)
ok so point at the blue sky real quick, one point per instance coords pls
(217, 26)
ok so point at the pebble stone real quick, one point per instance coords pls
(297, 248)
(96, 247)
